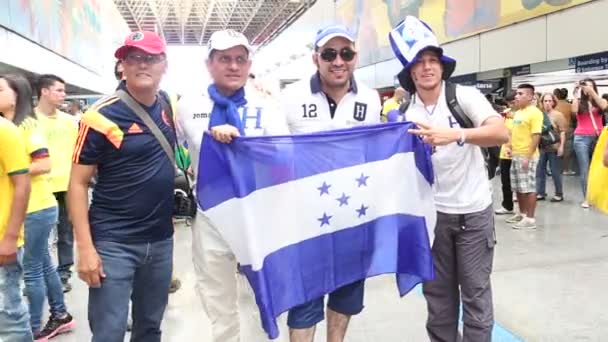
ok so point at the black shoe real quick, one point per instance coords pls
(56, 326)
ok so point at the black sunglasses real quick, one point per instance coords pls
(330, 55)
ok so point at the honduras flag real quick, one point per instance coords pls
(307, 214)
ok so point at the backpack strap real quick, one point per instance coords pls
(450, 97)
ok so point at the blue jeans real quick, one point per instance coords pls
(14, 317)
(583, 147)
(65, 240)
(141, 272)
(41, 278)
(556, 173)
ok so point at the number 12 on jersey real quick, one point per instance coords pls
(310, 111)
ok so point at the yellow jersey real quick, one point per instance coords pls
(60, 131)
(509, 125)
(13, 161)
(526, 122)
(41, 196)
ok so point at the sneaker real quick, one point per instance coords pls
(66, 286)
(503, 211)
(568, 173)
(585, 205)
(515, 218)
(525, 223)
(56, 326)
(557, 198)
(540, 197)
(175, 285)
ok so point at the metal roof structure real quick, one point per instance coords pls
(191, 22)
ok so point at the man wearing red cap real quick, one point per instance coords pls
(125, 239)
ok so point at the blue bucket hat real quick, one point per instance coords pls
(409, 39)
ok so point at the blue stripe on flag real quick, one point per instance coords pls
(298, 273)
(260, 162)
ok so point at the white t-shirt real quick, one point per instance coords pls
(461, 179)
(259, 116)
(307, 109)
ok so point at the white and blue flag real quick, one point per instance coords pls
(307, 214)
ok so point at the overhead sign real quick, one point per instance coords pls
(594, 62)
(521, 70)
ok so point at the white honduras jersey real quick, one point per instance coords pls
(259, 117)
(307, 108)
(461, 180)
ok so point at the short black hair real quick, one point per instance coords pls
(563, 94)
(46, 81)
(117, 74)
(23, 106)
(510, 96)
(526, 86)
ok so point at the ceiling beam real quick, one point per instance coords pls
(253, 14)
(207, 17)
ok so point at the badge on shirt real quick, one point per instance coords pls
(360, 111)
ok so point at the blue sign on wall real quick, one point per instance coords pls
(593, 62)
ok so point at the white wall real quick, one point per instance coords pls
(572, 32)
(575, 31)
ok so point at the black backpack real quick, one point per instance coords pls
(491, 154)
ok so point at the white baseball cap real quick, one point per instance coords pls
(330, 32)
(226, 39)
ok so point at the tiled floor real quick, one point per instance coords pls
(549, 285)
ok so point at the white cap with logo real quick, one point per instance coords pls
(226, 39)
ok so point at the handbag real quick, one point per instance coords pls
(184, 203)
(549, 136)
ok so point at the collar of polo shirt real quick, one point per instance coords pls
(315, 84)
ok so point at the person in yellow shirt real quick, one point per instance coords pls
(393, 103)
(40, 274)
(14, 195)
(60, 131)
(525, 138)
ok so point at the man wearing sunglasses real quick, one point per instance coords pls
(227, 109)
(330, 99)
(125, 239)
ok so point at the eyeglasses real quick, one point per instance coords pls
(330, 55)
(136, 58)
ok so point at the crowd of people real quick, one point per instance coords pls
(125, 144)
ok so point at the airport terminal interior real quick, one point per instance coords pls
(548, 283)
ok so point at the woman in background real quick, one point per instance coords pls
(589, 107)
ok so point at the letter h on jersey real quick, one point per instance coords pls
(257, 117)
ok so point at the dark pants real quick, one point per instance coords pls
(141, 272)
(65, 239)
(556, 173)
(463, 252)
(505, 179)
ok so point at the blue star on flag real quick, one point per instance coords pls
(362, 211)
(362, 180)
(343, 200)
(325, 219)
(324, 189)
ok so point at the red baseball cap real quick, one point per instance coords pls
(148, 41)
